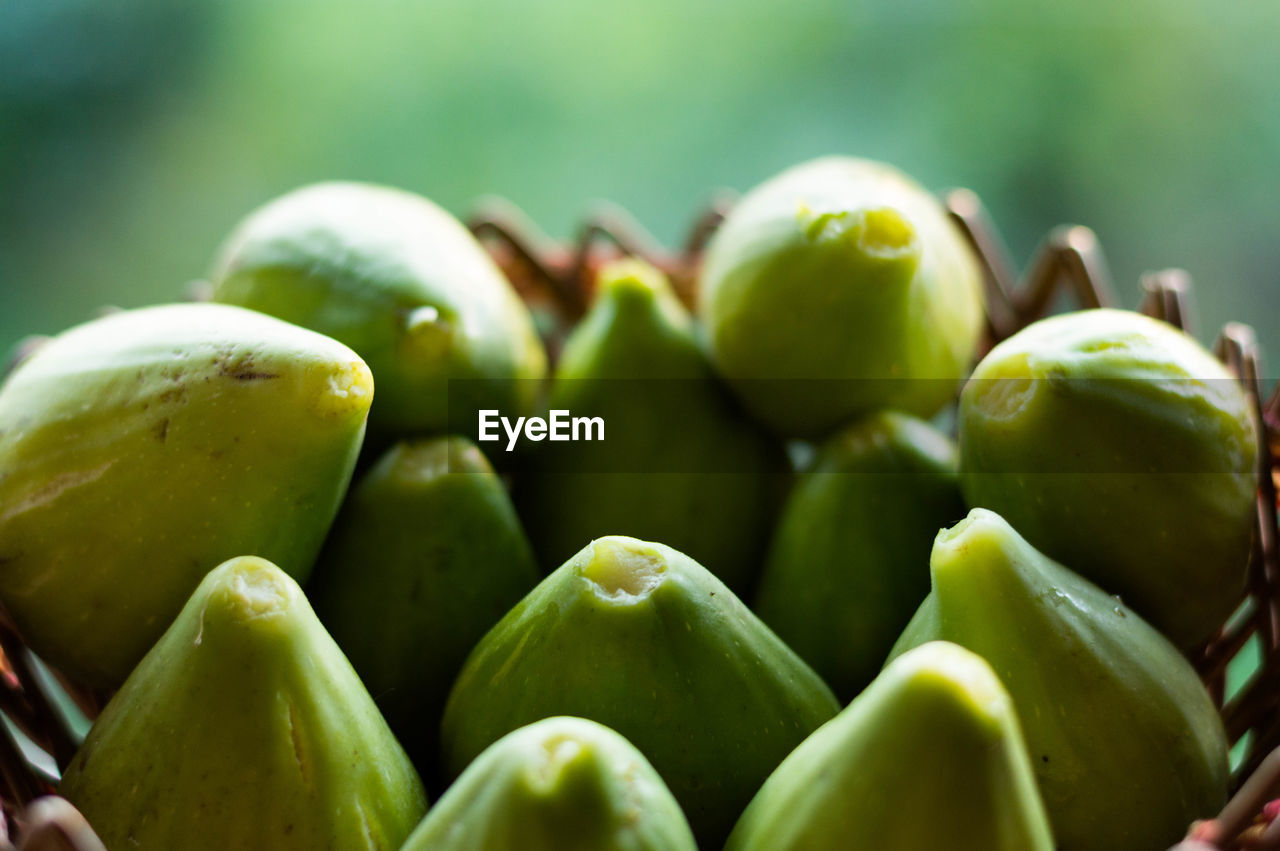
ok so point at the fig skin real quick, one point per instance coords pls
(1117, 445)
(837, 288)
(425, 557)
(245, 727)
(680, 462)
(1127, 747)
(931, 755)
(561, 784)
(405, 285)
(849, 563)
(140, 450)
(643, 639)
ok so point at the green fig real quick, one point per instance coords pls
(1117, 445)
(401, 282)
(426, 555)
(561, 784)
(1127, 746)
(140, 450)
(837, 288)
(678, 462)
(929, 756)
(849, 563)
(646, 641)
(245, 727)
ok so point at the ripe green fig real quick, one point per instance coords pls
(140, 450)
(1117, 445)
(561, 784)
(245, 727)
(645, 640)
(929, 756)
(425, 557)
(1126, 744)
(679, 463)
(836, 288)
(401, 282)
(849, 563)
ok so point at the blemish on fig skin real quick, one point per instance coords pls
(252, 376)
(245, 372)
(53, 489)
(295, 737)
(162, 430)
(242, 369)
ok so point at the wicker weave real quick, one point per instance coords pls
(559, 279)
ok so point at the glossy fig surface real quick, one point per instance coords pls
(644, 640)
(678, 462)
(836, 288)
(929, 756)
(560, 784)
(245, 727)
(849, 561)
(401, 282)
(425, 557)
(1127, 746)
(1119, 446)
(141, 450)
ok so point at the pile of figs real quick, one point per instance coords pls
(795, 599)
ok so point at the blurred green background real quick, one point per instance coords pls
(134, 134)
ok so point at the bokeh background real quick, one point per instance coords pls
(134, 133)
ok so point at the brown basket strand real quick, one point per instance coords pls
(1236, 826)
(52, 824)
(564, 277)
(561, 279)
(33, 707)
(1070, 257)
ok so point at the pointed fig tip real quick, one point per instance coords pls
(982, 538)
(958, 675)
(347, 388)
(622, 570)
(248, 587)
(631, 274)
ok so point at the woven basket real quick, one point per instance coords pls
(557, 280)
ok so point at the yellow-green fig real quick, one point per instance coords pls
(561, 784)
(929, 756)
(1117, 445)
(836, 288)
(401, 282)
(643, 639)
(245, 727)
(1126, 744)
(426, 555)
(849, 562)
(140, 450)
(676, 462)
